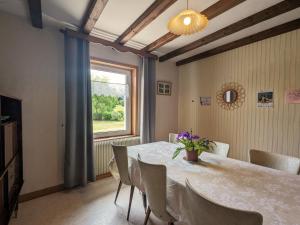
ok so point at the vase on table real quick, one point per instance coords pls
(193, 145)
(192, 155)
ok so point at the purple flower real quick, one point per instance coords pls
(187, 136)
(183, 135)
(195, 137)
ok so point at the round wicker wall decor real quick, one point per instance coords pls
(231, 96)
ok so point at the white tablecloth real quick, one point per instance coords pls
(233, 183)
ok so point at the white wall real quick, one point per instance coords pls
(32, 69)
(167, 106)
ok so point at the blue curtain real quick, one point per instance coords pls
(148, 99)
(78, 166)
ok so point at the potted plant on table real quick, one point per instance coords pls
(193, 145)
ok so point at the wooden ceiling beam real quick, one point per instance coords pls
(168, 37)
(211, 12)
(220, 7)
(118, 47)
(35, 10)
(283, 28)
(153, 11)
(92, 14)
(254, 19)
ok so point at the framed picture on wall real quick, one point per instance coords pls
(205, 101)
(292, 96)
(164, 88)
(265, 99)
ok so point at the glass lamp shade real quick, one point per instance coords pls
(187, 22)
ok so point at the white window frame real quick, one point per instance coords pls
(127, 103)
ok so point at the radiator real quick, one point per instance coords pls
(103, 152)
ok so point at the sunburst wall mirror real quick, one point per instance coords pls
(231, 96)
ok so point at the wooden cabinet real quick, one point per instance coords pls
(1, 198)
(11, 163)
(10, 140)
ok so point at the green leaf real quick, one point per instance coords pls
(176, 153)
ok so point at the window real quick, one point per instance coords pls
(113, 98)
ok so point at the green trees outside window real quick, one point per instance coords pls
(108, 108)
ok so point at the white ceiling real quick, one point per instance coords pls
(67, 12)
(70, 11)
(286, 17)
(231, 16)
(118, 15)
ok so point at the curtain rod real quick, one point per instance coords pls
(118, 47)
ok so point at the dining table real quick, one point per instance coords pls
(229, 182)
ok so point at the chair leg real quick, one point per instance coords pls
(130, 200)
(144, 201)
(119, 188)
(16, 209)
(147, 215)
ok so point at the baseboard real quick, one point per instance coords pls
(51, 190)
(102, 176)
(41, 193)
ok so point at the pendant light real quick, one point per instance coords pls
(187, 22)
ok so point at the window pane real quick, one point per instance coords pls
(109, 96)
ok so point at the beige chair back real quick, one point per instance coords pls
(220, 148)
(121, 157)
(154, 181)
(275, 161)
(205, 212)
(172, 138)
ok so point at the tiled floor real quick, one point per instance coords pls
(92, 205)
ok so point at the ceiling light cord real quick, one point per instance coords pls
(187, 4)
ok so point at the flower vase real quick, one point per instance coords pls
(192, 156)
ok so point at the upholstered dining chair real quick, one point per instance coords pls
(172, 138)
(155, 184)
(121, 158)
(220, 148)
(276, 161)
(205, 212)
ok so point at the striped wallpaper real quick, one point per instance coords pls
(271, 64)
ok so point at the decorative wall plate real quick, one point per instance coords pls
(231, 96)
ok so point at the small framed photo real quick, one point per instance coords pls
(205, 101)
(292, 96)
(265, 99)
(164, 88)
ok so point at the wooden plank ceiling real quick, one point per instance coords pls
(248, 21)
(283, 28)
(261, 16)
(211, 12)
(216, 9)
(92, 14)
(158, 7)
